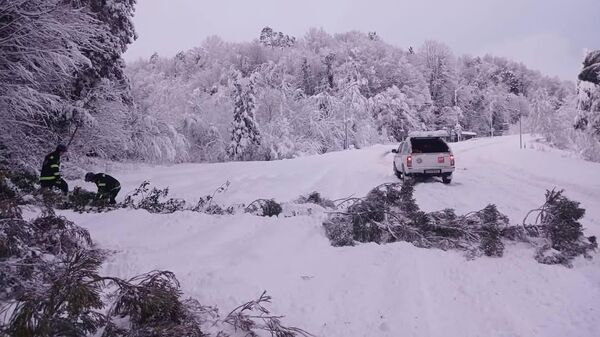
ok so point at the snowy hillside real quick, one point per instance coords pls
(367, 290)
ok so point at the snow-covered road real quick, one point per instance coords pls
(368, 290)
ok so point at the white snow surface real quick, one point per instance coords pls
(367, 290)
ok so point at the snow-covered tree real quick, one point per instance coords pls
(543, 117)
(316, 40)
(413, 84)
(270, 38)
(204, 139)
(308, 84)
(350, 107)
(393, 115)
(588, 90)
(245, 134)
(439, 67)
(591, 68)
(60, 63)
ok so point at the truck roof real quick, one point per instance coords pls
(428, 134)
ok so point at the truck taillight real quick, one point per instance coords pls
(409, 161)
(451, 160)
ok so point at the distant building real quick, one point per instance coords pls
(465, 135)
(448, 135)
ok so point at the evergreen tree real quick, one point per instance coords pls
(245, 135)
(105, 63)
(393, 114)
(591, 68)
(307, 84)
(588, 90)
(328, 61)
(270, 38)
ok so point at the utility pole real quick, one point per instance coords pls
(491, 121)
(345, 131)
(491, 127)
(456, 97)
(520, 133)
(346, 119)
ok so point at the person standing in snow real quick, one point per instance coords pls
(50, 175)
(108, 187)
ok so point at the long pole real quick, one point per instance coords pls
(345, 131)
(491, 116)
(520, 134)
(456, 97)
(73, 135)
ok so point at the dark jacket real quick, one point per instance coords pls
(105, 183)
(51, 167)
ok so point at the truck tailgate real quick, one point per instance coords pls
(431, 160)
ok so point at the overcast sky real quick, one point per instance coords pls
(547, 35)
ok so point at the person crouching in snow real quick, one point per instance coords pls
(108, 187)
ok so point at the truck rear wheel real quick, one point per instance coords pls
(398, 173)
(447, 179)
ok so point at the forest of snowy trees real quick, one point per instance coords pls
(276, 97)
(327, 92)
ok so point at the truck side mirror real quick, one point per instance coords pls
(394, 151)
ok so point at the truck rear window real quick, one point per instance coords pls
(428, 145)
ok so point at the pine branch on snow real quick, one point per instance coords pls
(155, 201)
(558, 220)
(316, 198)
(253, 316)
(47, 268)
(264, 207)
(50, 286)
(151, 305)
(389, 213)
(151, 200)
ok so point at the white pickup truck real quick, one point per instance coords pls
(424, 156)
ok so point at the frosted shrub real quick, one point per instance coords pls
(204, 140)
(9, 200)
(155, 141)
